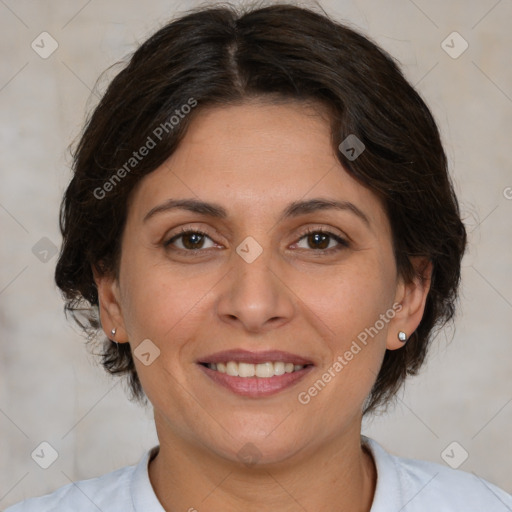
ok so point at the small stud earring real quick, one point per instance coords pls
(113, 331)
(402, 336)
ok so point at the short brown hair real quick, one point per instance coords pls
(224, 55)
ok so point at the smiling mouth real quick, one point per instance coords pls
(262, 370)
(256, 380)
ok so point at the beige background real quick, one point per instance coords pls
(52, 390)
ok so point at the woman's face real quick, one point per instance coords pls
(256, 282)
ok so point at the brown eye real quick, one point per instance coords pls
(320, 240)
(191, 240)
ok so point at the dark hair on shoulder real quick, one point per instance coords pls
(224, 55)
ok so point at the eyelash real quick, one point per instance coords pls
(343, 244)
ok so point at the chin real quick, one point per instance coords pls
(256, 450)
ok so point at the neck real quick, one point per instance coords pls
(340, 475)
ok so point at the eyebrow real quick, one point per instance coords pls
(294, 209)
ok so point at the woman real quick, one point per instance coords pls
(261, 215)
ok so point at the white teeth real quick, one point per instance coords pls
(264, 370)
(261, 370)
(232, 369)
(279, 368)
(246, 370)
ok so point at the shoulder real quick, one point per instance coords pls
(107, 492)
(418, 486)
(444, 485)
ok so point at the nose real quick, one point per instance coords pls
(254, 294)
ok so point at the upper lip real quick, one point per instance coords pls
(246, 356)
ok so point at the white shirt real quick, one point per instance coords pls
(404, 485)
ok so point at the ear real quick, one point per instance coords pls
(111, 315)
(412, 297)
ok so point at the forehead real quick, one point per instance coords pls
(253, 159)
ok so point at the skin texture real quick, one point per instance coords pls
(255, 159)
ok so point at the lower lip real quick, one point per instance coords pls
(256, 386)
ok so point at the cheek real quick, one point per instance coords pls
(162, 302)
(158, 303)
(350, 297)
(351, 305)
(167, 309)
(349, 309)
